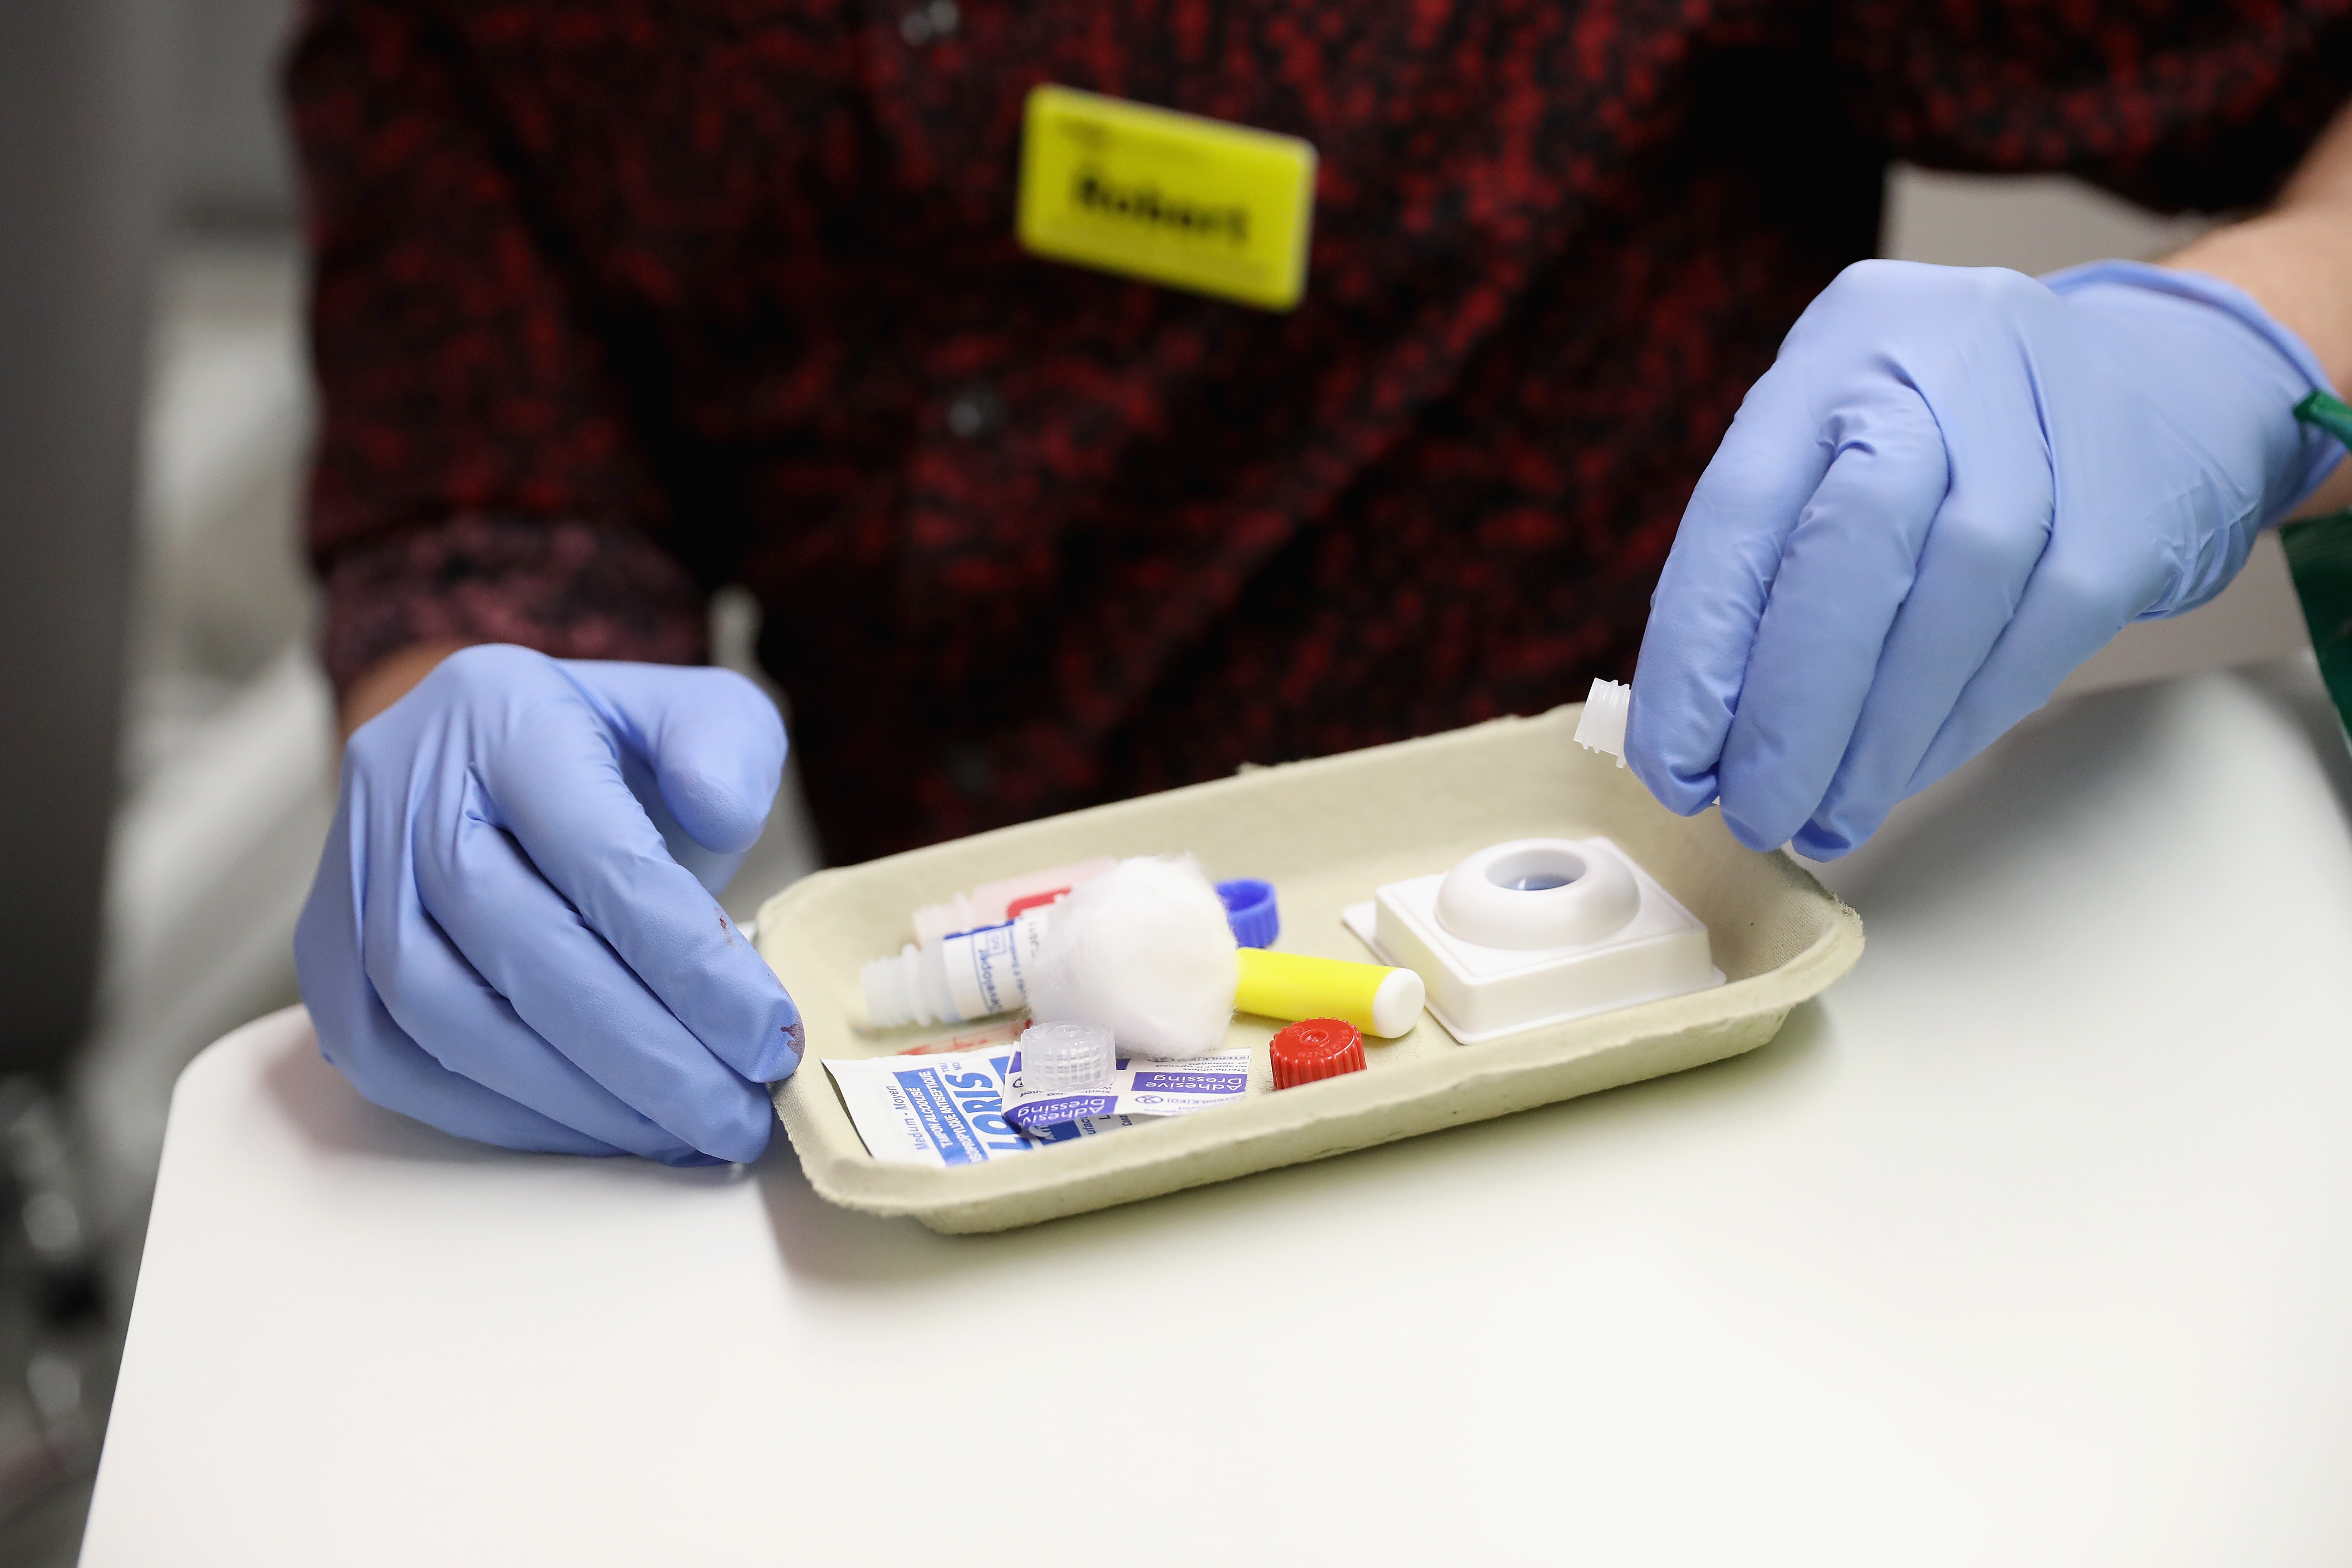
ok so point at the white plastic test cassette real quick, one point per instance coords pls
(1536, 931)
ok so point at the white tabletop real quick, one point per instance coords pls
(2030, 1243)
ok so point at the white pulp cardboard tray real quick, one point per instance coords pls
(1324, 833)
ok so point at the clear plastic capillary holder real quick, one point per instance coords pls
(1602, 726)
(1068, 1058)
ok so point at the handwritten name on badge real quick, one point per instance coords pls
(1175, 199)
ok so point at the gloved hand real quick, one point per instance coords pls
(1953, 487)
(514, 936)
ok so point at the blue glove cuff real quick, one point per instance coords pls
(2319, 451)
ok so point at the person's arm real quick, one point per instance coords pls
(514, 934)
(1956, 484)
(478, 475)
(388, 680)
(2296, 261)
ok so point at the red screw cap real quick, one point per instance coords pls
(1316, 1047)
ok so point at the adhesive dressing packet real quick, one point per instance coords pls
(945, 1103)
(1143, 1085)
(941, 1107)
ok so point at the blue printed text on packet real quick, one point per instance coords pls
(960, 1104)
(944, 1107)
(1142, 1086)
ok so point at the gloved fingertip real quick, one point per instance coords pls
(721, 773)
(763, 1042)
(1761, 840)
(714, 740)
(723, 809)
(1664, 787)
(1821, 844)
(744, 1148)
(1690, 799)
(1684, 790)
(685, 1158)
(738, 1133)
(780, 1057)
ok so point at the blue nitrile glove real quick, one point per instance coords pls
(514, 934)
(1953, 487)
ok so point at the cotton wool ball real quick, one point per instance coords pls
(1144, 950)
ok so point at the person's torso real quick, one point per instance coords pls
(1057, 535)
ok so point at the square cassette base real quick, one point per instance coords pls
(1482, 993)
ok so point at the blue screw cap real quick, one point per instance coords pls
(1249, 909)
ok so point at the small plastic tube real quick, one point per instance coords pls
(1068, 1058)
(1294, 986)
(1602, 726)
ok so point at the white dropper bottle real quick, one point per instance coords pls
(972, 974)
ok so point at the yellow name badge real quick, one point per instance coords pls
(1170, 198)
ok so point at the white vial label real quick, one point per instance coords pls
(985, 968)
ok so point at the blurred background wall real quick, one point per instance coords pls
(225, 781)
(232, 166)
(84, 119)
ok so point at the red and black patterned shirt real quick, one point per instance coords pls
(620, 300)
